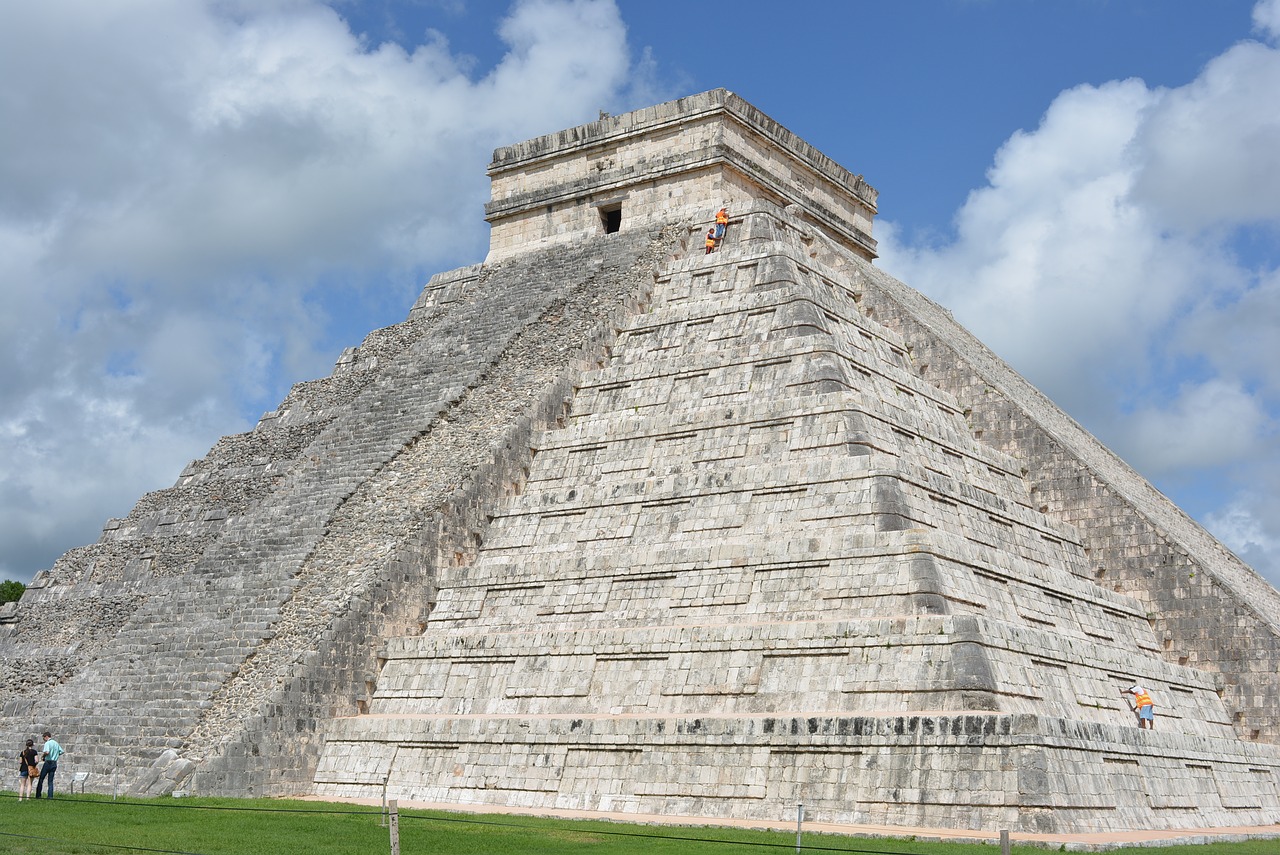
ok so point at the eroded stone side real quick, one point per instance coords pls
(238, 659)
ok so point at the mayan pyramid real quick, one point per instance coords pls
(613, 524)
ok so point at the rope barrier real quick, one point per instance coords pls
(176, 806)
(80, 843)
(463, 820)
(665, 837)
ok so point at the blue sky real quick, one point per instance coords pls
(204, 203)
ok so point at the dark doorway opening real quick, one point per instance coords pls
(611, 217)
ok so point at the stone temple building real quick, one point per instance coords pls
(609, 523)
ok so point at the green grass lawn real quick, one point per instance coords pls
(96, 825)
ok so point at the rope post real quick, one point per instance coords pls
(1005, 846)
(383, 820)
(799, 825)
(395, 827)
(386, 778)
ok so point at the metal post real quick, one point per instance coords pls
(799, 825)
(1005, 847)
(395, 827)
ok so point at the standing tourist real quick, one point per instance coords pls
(26, 770)
(51, 751)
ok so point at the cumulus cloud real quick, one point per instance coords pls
(1242, 524)
(1124, 257)
(1203, 425)
(1266, 18)
(1054, 264)
(195, 193)
(1238, 336)
(1207, 153)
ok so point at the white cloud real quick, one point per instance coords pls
(1124, 257)
(193, 192)
(1208, 152)
(1248, 526)
(1054, 266)
(1238, 336)
(1204, 425)
(1266, 18)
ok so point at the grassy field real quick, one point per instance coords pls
(96, 825)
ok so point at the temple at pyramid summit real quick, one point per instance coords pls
(635, 520)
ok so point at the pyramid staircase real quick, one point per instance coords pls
(765, 563)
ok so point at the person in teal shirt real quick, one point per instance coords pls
(51, 751)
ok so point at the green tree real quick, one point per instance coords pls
(10, 591)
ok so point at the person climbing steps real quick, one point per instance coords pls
(1143, 706)
(716, 233)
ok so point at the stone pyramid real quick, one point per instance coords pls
(613, 524)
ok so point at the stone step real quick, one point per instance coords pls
(887, 663)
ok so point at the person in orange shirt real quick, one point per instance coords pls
(722, 223)
(710, 242)
(1143, 706)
